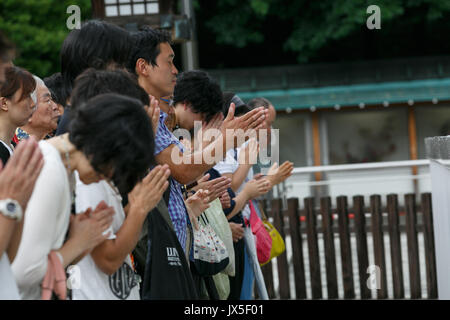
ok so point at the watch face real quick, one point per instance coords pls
(11, 207)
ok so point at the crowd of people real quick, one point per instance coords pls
(95, 178)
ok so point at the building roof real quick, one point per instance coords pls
(432, 90)
(355, 83)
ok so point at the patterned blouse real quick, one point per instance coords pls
(21, 135)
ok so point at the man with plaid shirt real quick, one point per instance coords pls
(152, 61)
(164, 139)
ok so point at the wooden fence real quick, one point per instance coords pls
(303, 228)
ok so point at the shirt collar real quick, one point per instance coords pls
(21, 134)
(162, 115)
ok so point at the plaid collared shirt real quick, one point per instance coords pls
(177, 211)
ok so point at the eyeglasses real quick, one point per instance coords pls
(49, 101)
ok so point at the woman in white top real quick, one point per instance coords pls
(107, 272)
(110, 145)
(16, 107)
(17, 181)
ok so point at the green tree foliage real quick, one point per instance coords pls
(312, 25)
(38, 29)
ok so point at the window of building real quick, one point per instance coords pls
(367, 135)
(292, 137)
(431, 121)
(114, 8)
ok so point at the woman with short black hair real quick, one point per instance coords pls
(99, 45)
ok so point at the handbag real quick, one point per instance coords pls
(219, 223)
(54, 279)
(263, 240)
(140, 251)
(222, 284)
(278, 246)
(210, 253)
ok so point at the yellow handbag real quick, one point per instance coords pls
(278, 246)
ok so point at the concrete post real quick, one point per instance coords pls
(438, 151)
(189, 49)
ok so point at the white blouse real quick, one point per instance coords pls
(46, 223)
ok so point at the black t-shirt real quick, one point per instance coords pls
(4, 153)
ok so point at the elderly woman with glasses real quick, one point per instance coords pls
(45, 120)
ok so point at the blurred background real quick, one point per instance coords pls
(344, 94)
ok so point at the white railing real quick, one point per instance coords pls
(362, 166)
(359, 178)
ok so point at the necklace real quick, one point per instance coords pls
(168, 101)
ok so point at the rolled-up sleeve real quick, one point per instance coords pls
(164, 138)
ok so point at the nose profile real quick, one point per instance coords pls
(55, 108)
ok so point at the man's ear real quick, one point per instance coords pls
(187, 105)
(142, 67)
(3, 104)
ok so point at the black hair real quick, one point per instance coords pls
(97, 45)
(259, 102)
(240, 107)
(94, 82)
(201, 91)
(55, 85)
(120, 139)
(145, 45)
(7, 49)
(227, 96)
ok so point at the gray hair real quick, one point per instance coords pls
(39, 82)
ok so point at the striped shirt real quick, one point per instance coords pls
(177, 211)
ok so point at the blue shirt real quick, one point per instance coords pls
(214, 174)
(177, 211)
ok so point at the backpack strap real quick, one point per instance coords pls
(166, 195)
(163, 205)
(164, 212)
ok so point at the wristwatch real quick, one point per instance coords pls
(11, 208)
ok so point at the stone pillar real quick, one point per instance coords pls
(438, 151)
